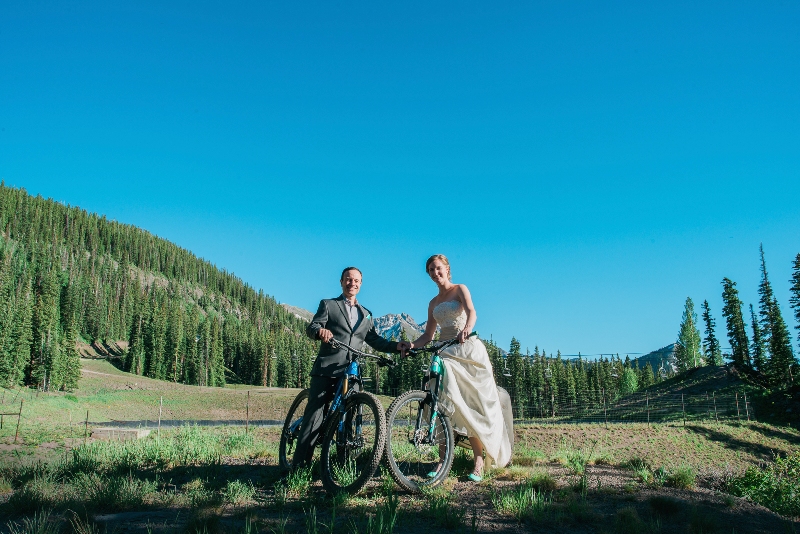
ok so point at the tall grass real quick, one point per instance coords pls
(39, 523)
(523, 501)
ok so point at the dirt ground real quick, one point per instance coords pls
(614, 502)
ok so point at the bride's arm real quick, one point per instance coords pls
(469, 308)
(430, 330)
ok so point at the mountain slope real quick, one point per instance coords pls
(67, 275)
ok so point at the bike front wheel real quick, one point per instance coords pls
(291, 430)
(353, 443)
(412, 452)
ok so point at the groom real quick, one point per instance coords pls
(345, 320)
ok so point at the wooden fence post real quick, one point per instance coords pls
(714, 397)
(746, 408)
(19, 418)
(738, 413)
(683, 408)
(86, 427)
(160, 408)
(647, 396)
(247, 418)
(605, 411)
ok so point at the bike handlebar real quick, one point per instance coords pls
(438, 347)
(382, 360)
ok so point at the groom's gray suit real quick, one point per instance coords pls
(331, 364)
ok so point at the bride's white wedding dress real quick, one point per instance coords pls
(469, 393)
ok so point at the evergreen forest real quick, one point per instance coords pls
(70, 277)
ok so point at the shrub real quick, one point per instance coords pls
(776, 486)
(684, 477)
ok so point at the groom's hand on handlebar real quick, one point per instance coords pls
(325, 335)
(403, 347)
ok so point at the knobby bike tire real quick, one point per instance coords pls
(350, 455)
(288, 442)
(410, 464)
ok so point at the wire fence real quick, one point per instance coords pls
(591, 406)
(267, 407)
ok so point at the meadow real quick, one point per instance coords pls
(717, 477)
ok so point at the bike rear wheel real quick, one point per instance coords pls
(412, 455)
(291, 430)
(353, 443)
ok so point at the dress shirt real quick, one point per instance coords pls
(353, 312)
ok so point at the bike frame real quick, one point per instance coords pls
(344, 389)
(436, 372)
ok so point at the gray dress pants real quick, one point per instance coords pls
(322, 390)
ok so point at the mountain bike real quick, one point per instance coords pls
(419, 436)
(353, 431)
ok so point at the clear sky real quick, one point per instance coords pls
(585, 165)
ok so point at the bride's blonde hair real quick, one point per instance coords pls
(443, 259)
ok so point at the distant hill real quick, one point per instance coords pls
(300, 313)
(664, 356)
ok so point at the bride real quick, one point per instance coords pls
(469, 393)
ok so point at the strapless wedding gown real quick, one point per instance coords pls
(470, 395)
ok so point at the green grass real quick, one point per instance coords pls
(442, 511)
(238, 493)
(576, 459)
(523, 501)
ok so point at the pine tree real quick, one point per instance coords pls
(795, 290)
(23, 333)
(72, 360)
(687, 351)
(766, 297)
(782, 360)
(646, 376)
(757, 348)
(710, 343)
(737, 335)
(45, 358)
(217, 363)
(774, 332)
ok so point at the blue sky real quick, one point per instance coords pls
(585, 166)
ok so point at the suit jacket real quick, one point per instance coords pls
(331, 315)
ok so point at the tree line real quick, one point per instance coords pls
(536, 379)
(766, 352)
(68, 277)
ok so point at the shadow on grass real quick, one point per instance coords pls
(792, 438)
(756, 449)
(182, 487)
